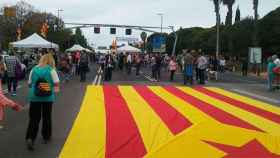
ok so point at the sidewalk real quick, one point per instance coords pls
(251, 76)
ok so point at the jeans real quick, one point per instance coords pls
(12, 81)
(201, 73)
(269, 82)
(172, 72)
(37, 111)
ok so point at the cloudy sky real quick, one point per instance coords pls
(179, 13)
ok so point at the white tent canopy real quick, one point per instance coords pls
(129, 49)
(76, 47)
(34, 41)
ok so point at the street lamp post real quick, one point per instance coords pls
(175, 42)
(58, 16)
(161, 23)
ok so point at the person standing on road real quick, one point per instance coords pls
(188, 69)
(121, 61)
(128, 63)
(222, 64)
(108, 67)
(153, 66)
(43, 84)
(83, 66)
(13, 65)
(202, 65)
(138, 62)
(270, 74)
(172, 68)
(158, 66)
(4, 101)
(244, 66)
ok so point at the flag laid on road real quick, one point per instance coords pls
(172, 122)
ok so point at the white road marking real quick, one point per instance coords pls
(257, 96)
(99, 79)
(96, 78)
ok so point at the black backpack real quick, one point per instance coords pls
(42, 87)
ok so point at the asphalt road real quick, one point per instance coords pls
(67, 106)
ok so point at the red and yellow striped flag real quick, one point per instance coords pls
(172, 122)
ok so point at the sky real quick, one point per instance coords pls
(178, 13)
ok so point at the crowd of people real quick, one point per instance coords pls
(193, 65)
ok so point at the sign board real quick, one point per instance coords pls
(10, 11)
(255, 55)
(127, 39)
(159, 43)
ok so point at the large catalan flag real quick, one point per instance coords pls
(172, 122)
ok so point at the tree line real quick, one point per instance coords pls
(30, 21)
(236, 36)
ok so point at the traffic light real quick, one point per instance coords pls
(128, 31)
(113, 30)
(97, 30)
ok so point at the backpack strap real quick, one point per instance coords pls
(41, 76)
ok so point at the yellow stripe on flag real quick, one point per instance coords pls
(252, 102)
(253, 119)
(87, 137)
(189, 111)
(152, 129)
(186, 146)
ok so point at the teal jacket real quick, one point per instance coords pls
(270, 68)
(34, 75)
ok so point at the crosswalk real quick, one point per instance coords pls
(168, 121)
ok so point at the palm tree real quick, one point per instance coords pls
(237, 15)
(217, 10)
(256, 5)
(229, 4)
(255, 34)
(218, 22)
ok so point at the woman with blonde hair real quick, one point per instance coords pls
(43, 84)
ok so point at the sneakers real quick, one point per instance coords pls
(14, 94)
(30, 144)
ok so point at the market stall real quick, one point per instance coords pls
(77, 47)
(34, 41)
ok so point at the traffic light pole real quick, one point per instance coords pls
(175, 42)
(141, 28)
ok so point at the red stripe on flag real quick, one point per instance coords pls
(175, 121)
(123, 139)
(212, 111)
(266, 114)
